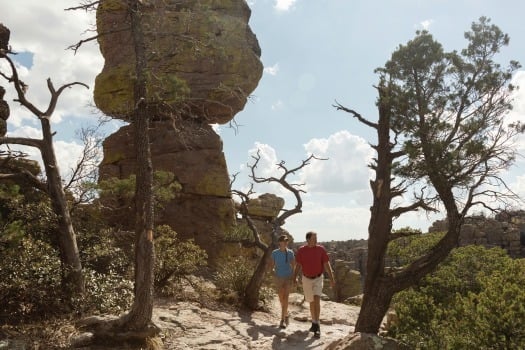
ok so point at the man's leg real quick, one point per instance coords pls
(312, 311)
(317, 308)
(308, 296)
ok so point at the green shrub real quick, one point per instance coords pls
(233, 275)
(99, 252)
(474, 300)
(404, 250)
(105, 293)
(238, 233)
(30, 281)
(175, 258)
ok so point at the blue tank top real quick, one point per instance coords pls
(282, 260)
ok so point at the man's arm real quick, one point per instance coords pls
(328, 268)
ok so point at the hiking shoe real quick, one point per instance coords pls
(317, 332)
(282, 324)
(287, 320)
(314, 328)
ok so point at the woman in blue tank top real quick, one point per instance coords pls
(283, 264)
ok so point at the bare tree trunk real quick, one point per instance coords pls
(140, 315)
(377, 294)
(376, 301)
(252, 291)
(73, 282)
(72, 276)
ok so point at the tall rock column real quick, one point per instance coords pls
(203, 62)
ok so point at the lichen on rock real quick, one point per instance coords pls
(202, 62)
(202, 57)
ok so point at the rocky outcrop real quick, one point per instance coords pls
(5, 33)
(262, 211)
(203, 58)
(508, 235)
(348, 281)
(265, 207)
(365, 341)
(202, 63)
(193, 153)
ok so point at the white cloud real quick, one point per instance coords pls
(425, 25)
(51, 59)
(272, 70)
(518, 111)
(284, 5)
(519, 95)
(26, 131)
(50, 32)
(339, 223)
(266, 167)
(345, 170)
(67, 153)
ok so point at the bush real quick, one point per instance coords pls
(102, 254)
(105, 293)
(175, 258)
(233, 275)
(29, 281)
(474, 300)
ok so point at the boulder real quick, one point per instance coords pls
(365, 341)
(5, 33)
(204, 209)
(348, 281)
(267, 206)
(202, 58)
(202, 62)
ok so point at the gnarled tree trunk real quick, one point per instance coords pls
(139, 317)
(252, 291)
(73, 282)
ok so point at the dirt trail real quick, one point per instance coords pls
(190, 326)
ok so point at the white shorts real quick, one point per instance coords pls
(312, 287)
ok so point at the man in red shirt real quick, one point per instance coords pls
(313, 260)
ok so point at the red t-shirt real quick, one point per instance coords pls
(312, 259)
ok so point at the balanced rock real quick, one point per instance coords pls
(202, 57)
(267, 206)
(202, 63)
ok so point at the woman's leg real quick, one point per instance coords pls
(284, 302)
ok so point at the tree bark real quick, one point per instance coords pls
(252, 291)
(140, 315)
(380, 287)
(375, 304)
(377, 296)
(73, 281)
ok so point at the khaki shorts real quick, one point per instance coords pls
(282, 282)
(312, 287)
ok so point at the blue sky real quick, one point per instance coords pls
(314, 53)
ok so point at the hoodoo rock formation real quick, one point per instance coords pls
(203, 62)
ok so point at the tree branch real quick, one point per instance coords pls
(22, 141)
(25, 175)
(245, 197)
(356, 115)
